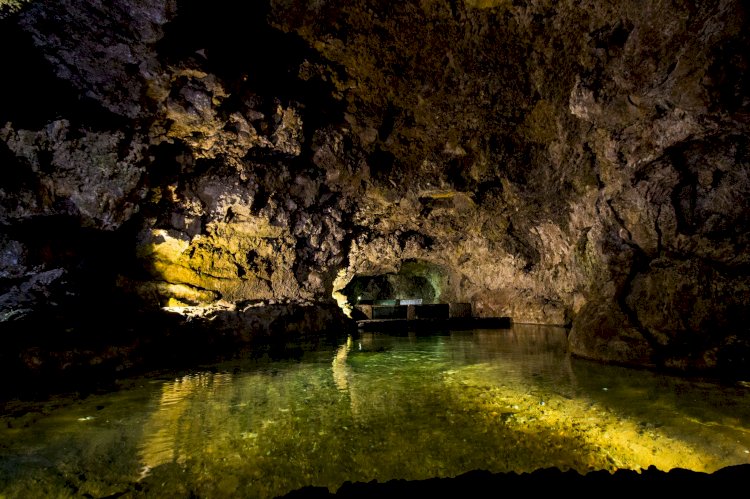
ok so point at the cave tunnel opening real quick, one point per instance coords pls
(369, 289)
(415, 280)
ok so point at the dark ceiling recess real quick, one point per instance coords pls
(249, 55)
(381, 163)
(38, 96)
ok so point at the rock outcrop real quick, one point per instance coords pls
(579, 164)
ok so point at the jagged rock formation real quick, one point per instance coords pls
(583, 164)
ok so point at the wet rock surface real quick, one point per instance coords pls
(580, 164)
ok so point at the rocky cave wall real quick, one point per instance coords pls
(574, 163)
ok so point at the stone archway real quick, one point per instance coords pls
(412, 279)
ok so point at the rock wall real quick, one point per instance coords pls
(572, 163)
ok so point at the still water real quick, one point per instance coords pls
(370, 407)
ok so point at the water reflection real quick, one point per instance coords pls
(375, 407)
(339, 367)
(161, 433)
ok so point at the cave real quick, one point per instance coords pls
(415, 280)
(196, 199)
(390, 286)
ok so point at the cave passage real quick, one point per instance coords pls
(419, 281)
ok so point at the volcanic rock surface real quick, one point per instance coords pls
(572, 163)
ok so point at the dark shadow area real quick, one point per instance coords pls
(37, 96)
(85, 349)
(251, 57)
(546, 481)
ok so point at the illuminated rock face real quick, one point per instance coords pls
(583, 164)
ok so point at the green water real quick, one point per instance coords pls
(373, 407)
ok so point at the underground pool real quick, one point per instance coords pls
(370, 406)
